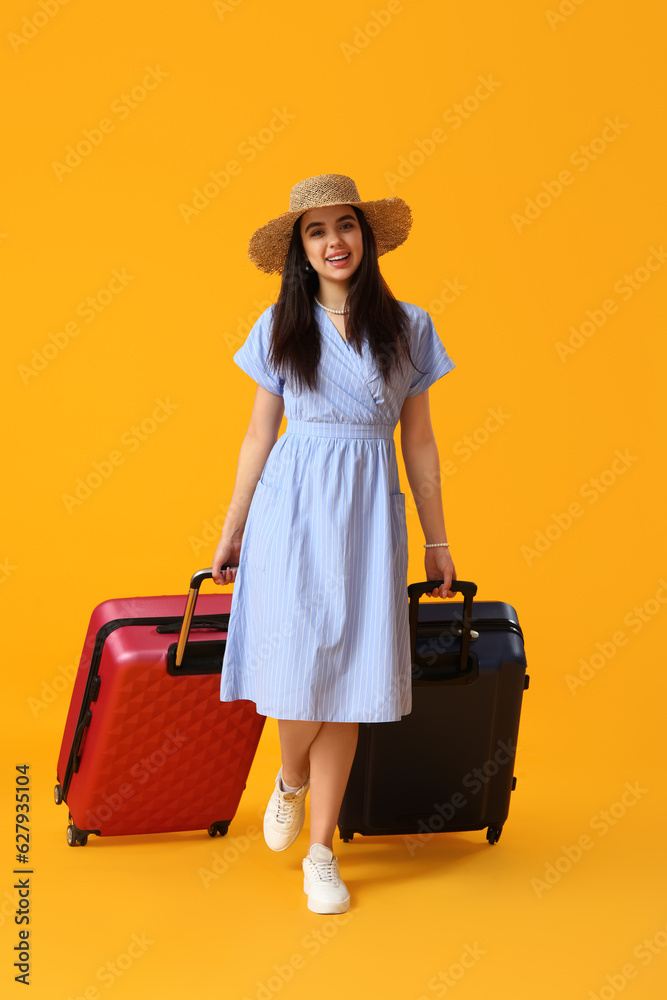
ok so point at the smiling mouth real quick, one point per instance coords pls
(338, 258)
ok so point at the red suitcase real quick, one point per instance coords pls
(148, 745)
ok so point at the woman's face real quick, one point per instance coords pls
(332, 241)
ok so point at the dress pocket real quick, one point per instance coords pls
(399, 532)
(263, 530)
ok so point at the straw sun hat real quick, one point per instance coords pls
(389, 218)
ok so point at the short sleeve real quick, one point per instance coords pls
(252, 356)
(428, 353)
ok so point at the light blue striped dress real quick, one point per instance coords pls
(318, 626)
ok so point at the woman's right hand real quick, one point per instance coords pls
(227, 553)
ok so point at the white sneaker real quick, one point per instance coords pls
(327, 893)
(285, 814)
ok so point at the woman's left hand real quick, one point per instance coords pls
(439, 566)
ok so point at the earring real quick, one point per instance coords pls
(307, 266)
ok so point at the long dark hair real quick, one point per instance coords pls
(374, 314)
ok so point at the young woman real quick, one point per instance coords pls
(318, 634)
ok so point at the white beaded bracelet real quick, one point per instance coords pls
(431, 545)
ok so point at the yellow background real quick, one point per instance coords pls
(361, 99)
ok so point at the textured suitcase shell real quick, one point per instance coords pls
(155, 752)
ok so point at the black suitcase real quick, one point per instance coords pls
(448, 765)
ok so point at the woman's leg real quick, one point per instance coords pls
(331, 755)
(296, 737)
(327, 749)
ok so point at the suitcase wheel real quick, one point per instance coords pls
(221, 827)
(58, 794)
(493, 834)
(75, 838)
